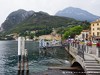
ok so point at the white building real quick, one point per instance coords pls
(83, 36)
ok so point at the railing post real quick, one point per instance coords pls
(98, 49)
(78, 49)
(69, 46)
(87, 49)
(75, 45)
(98, 52)
(83, 49)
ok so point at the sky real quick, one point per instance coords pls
(49, 6)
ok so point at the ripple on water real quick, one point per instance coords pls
(8, 58)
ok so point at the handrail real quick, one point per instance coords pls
(78, 47)
(81, 49)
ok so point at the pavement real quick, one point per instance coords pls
(87, 56)
(58, 72)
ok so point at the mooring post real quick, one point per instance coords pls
(19, 55)
(23, 54)
(26, 62)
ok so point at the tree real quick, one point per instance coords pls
(73, 31)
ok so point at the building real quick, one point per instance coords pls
(50, 37)
(95, 29)
(83, 36)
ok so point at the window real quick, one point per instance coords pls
(93, 24)
(86, 35)
(98, 28)
(83, 36)
(98, 33)
(93, 28)
(97, 24)
(93, 34)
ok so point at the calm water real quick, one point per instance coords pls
(37, 62)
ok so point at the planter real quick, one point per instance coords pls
(98, 45)
(89, 44)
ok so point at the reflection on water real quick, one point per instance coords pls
(37, 63)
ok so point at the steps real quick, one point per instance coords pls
(92, 66)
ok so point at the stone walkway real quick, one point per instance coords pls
(88, 57)
(58, 72)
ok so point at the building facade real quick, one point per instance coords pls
(95, 29)
(83, 36)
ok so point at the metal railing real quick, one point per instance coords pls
(80, 49)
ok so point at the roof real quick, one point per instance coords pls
(85, 31)
(98, 20)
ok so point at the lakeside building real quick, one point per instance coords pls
(91, 34)
(50, 37)
(95, 29)
(84, 35)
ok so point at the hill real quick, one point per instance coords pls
(15, 18)
(77, 14)
(35, 21)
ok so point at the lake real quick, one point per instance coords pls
(37, 62)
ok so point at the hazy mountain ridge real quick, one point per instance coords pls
(77, 14)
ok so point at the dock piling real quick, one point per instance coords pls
(19, 55)
(22, 57)
(23, 54)
(19, 64)
(26, 62)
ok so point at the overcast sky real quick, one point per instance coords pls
(49, 6)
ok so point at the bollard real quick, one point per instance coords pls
(26, 62)
(19, 55)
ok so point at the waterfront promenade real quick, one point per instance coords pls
(85, 60)
(85, 56)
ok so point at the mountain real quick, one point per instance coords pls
(77, 14)
(15, 18)
(41, 21)
(22, 21)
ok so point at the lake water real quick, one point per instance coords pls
(37, 62)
